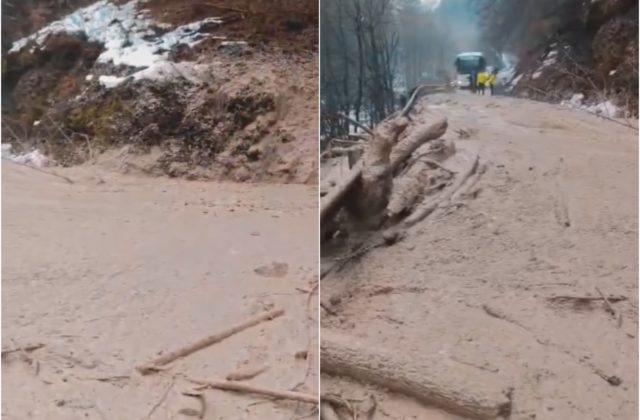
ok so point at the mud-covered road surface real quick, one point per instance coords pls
(493, 286)
(111, 271)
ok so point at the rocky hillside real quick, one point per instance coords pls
(201, 90)
(582, 52)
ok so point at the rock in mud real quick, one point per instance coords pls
(275, 269)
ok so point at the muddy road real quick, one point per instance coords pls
(111, 271)
(503, 287)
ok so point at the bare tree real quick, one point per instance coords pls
(359, 66)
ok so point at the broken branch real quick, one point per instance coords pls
(206, 342)
(252, 389)
(27, 348)
(403, 150)
(427, 208)
(356, 123)
(607, 302)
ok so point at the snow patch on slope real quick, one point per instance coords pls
(33, 158)
(129, 35)
(605, 108)
(111, 81)
(549, 60)
(507, 73)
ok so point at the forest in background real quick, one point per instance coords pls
(372, 50)
(375, 51)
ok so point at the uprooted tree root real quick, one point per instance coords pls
(367, 186)
(397, 181)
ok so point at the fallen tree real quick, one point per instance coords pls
(366, 189)
(370, 179)
(469, 392)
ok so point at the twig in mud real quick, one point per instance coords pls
(27, 348)
(106, 378)
(69, 180)
(31, 361)
(437, 165)
(492, 312)
(162, 398)
(243, 375)
(354, 254)
(497, 313)
(356, 123)
(607, 302)
(306, 355)
(473, 365)
(206, 342)
(251, 389)
(467, 189)
(343, 261)
(427, 208)
(561, 298)
(310, 295)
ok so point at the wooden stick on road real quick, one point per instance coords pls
(206, 342)
(606, 302)
(252, 389)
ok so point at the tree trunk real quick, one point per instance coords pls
(432, 379)
(373, 173)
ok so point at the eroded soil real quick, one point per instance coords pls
(111, 271)
(481, 285)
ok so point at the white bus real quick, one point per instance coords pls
(467, 65)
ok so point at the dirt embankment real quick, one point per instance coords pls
(226, 108)
(593, 51)
(496, 294)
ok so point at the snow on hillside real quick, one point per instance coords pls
(129, 36)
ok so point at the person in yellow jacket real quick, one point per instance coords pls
(491, 80)
(482, 80)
